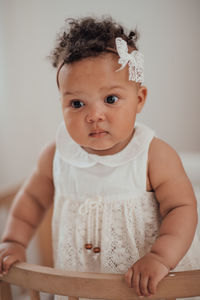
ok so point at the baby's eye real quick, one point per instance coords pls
(77, 104)
(111, 99)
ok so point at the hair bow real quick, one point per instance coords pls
(134, 59)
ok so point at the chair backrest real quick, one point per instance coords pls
(37, 278)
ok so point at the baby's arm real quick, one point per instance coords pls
(178, 209)
(27, 211)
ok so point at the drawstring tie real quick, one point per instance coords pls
(91, 208)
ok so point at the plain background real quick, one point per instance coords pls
(29, 100)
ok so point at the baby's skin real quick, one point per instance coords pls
(99, 109)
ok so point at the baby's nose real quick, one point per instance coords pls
(95, 114)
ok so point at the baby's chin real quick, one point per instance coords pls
(95, 150)
(109, 150)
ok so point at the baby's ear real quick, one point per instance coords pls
(142, 94)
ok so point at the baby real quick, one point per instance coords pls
(122, 201)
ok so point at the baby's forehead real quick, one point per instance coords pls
(103, 66)
(91, 73)
(85, 79)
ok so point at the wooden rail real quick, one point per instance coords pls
(93, 285)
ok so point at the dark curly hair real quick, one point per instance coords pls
(89, 37)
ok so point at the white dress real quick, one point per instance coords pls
(102, 200)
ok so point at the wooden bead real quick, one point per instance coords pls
(88, 246)
(96, 250)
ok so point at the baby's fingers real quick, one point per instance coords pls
(144, 284)
(7, 262)
(133, 280)
(153, 283)
(128, 277)
(1, 263)
(136, 283)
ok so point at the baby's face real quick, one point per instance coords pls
(99, 104)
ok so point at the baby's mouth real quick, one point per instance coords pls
(98, 133)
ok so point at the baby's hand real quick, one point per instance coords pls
(10, 253)
(145, 275)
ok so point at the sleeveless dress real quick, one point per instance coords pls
(102, 201)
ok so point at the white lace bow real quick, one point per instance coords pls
(134, 59)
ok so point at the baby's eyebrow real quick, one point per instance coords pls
(70, 93)
(112, 87)
(105, 88)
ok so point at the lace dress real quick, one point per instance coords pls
(102, 201)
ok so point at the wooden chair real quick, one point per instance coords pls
(37, 278)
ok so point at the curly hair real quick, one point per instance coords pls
(89, 37)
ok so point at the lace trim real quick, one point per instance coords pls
(123, 230)
(126, 231)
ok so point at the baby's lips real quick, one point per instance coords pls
(98, 131)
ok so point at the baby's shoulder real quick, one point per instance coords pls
(160, 150)
(164, 162)
(45, 159)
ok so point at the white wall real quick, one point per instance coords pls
(29, 106)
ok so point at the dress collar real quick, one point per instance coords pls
(72, 153)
